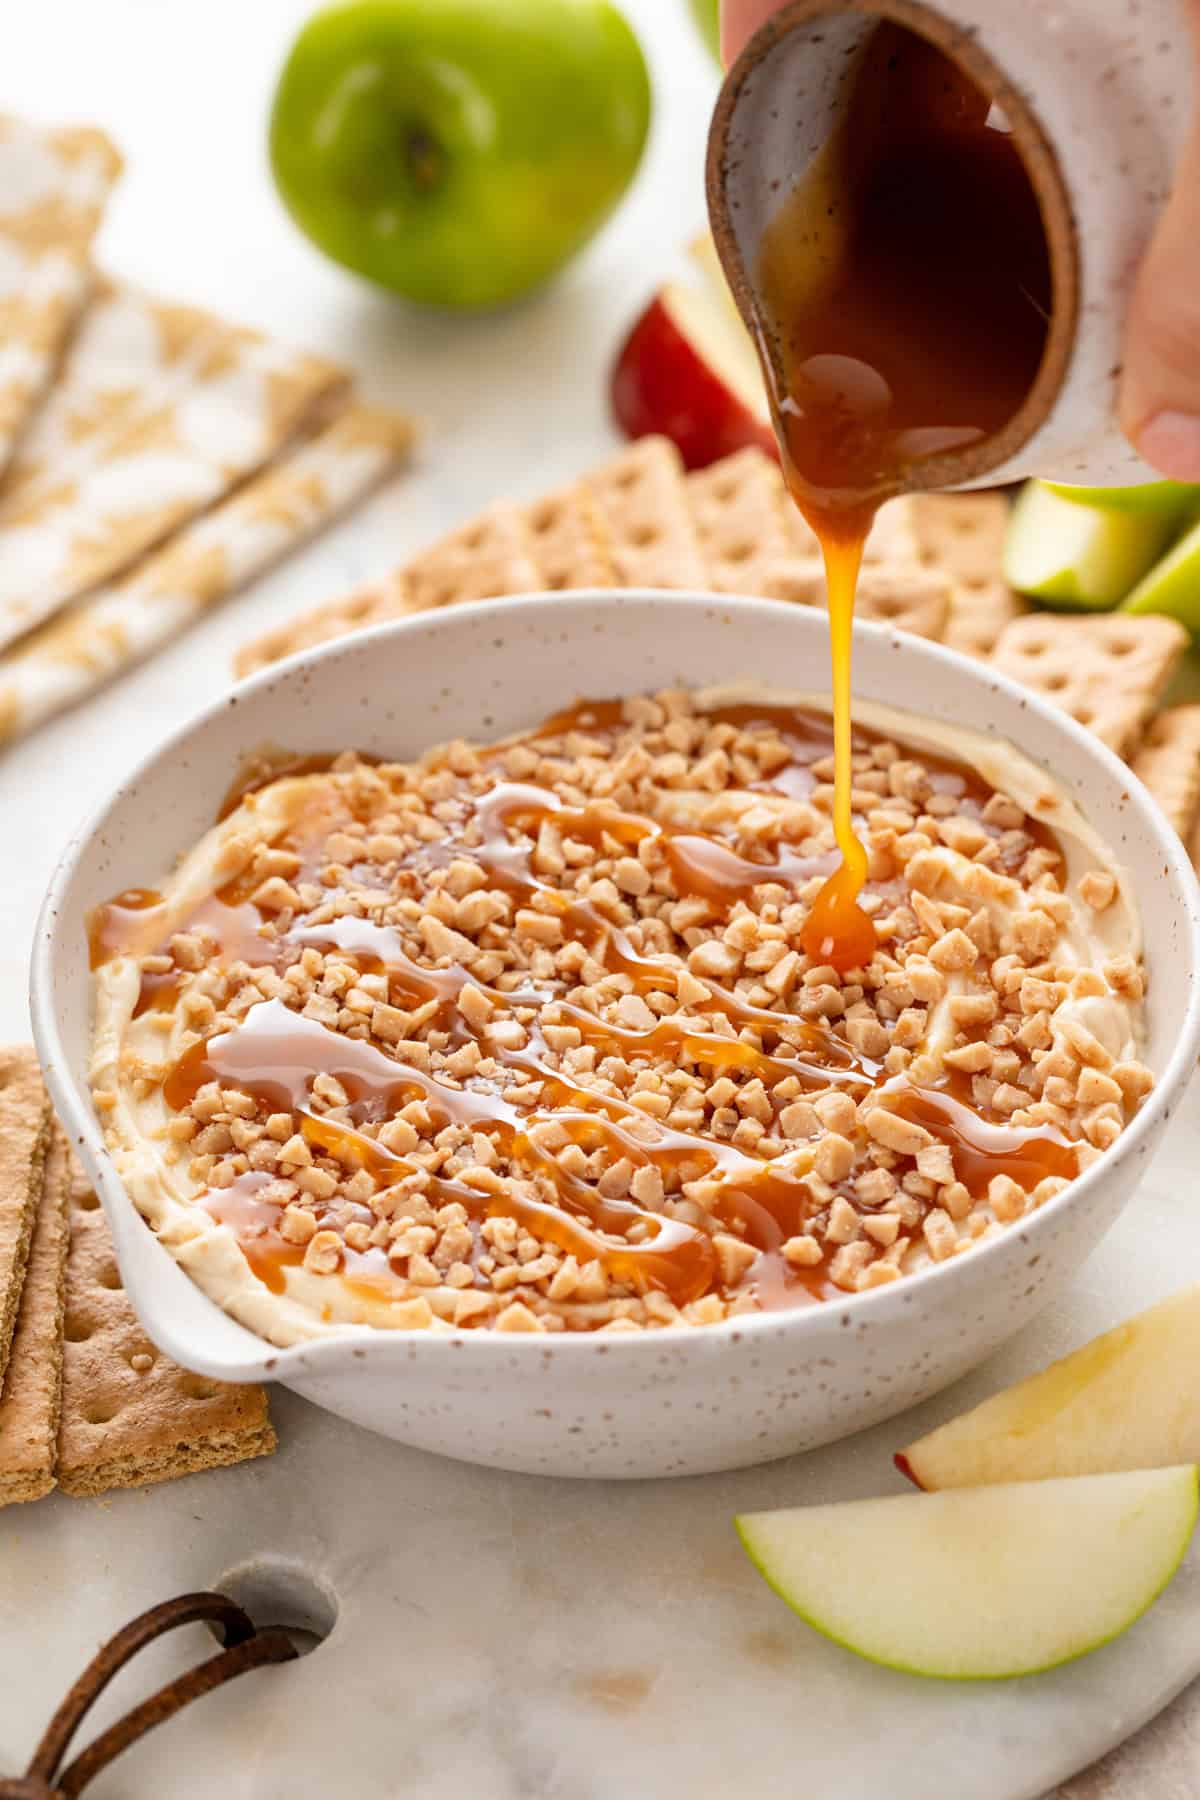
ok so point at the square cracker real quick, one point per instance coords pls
(491, 554)
(559, 541)
(1108, 670)
(334, 619)
(1168, 761)
(130, 1416)
(751, 530)
(930, 565)
(903, 595)
(24, 1129)
(740, 510)
(641, 499)
(756, 542)
(33, 1387)
(569, 541)
(962, 536)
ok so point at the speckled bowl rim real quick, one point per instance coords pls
(876, 1304)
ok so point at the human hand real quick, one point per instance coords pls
(740, 19)
(1159, 399)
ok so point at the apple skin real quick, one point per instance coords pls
(1171, 497)
(1077, 556)
(458, 153)
(707, 14)
(1103, 1407)
(662, 385)
(906, 1469)
(983, 1583)
(1172, 586)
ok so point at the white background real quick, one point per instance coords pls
(508, 403)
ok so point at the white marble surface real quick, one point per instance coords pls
(511, 1638)
(498, 1636)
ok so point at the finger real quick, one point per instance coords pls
(740, 19)
(1160, 388)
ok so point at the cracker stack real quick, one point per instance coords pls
(932, 566)
(1108, 670)
(640, 521)
(87, 1402)
(130, 1416)
(29, 1409)
(24, 1134)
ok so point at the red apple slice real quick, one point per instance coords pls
(686, 373)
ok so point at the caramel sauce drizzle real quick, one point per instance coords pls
(980, 1147)
(275, 1054)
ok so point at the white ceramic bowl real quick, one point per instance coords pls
(682, 1400)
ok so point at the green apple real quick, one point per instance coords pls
(1173, 585)
(1079, 556)
(1113, 1404)
(981, 1583)
(458, 152)
(707, 14)
(1174, 497)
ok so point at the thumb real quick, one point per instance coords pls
(1160, 388)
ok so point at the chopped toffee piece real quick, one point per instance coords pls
(534, 1035)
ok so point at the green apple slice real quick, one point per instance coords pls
(1079, 556)
(1174, 497)
(1173, 585)
(980, 1583)
(1113, 1404)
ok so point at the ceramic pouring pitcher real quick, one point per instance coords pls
(1098, 97)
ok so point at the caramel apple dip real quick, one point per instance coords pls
(522, 1036)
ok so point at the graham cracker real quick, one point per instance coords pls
(32, 1394)
(130, 1416)
(569, 540)
(1108, 670)
(756, 542)
(908, 597)
(639, 521)
(641, 499)
(962, 536)
(739, 508)
(892, 537)
(1168, 761)
(905, 595)
(556, 542)
(24, 1130)
(491, 554)
(336, 618)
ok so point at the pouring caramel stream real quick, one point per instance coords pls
(905, 292)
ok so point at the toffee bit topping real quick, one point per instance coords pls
(525, 1036)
